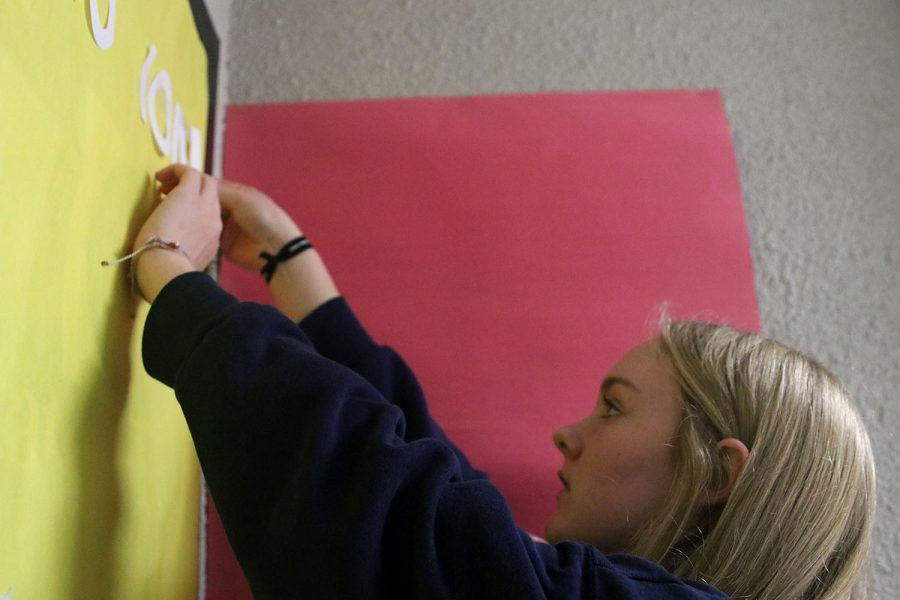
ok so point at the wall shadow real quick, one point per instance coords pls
(105, 391)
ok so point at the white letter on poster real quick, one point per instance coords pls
(104, 36)
(145, 73)
(162, 80)
(196, 150)
(179, 137)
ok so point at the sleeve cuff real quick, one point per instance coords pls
(177, 319)
(335, 331)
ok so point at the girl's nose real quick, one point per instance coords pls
(567, 441)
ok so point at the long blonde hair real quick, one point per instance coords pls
(798, 521)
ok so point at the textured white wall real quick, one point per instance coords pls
(812, 91)
(220, 13)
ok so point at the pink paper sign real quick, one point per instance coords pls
(511, 248)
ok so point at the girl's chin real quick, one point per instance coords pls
(552, 531)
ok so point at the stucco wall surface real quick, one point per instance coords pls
(812, 92)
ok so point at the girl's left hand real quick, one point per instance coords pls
(190, 215)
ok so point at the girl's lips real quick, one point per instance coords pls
(563, 479)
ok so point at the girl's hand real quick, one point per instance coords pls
(253, 223)
(190, 215)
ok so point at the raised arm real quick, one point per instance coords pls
(305, 292)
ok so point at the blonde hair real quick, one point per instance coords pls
(798, 521)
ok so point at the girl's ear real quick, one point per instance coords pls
(733, 453)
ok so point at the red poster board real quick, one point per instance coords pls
(511, 248)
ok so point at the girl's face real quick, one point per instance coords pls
(618, 461)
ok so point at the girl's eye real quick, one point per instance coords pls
(610, 409)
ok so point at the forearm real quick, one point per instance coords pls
(302, 284)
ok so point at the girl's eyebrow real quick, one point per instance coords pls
(613, 380)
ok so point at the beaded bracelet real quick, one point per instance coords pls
(288, 251)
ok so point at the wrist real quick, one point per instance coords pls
(277, 240)
(288, 252)
(156, 267)
(302, 284)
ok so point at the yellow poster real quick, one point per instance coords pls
(99, 484)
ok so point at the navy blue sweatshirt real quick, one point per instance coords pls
(330, 476)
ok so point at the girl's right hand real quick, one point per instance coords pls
(252, 223)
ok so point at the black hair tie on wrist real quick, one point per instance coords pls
(288, 251)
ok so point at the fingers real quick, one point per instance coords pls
(245, 207)
(192, 184)
(177, 174)
(171, 173)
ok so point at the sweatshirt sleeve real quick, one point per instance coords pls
(319, 491)
(337, 333)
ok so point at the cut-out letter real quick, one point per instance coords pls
(104, 35)
(179, 137)
(196, 149)
(145, 74)
(164, 81)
